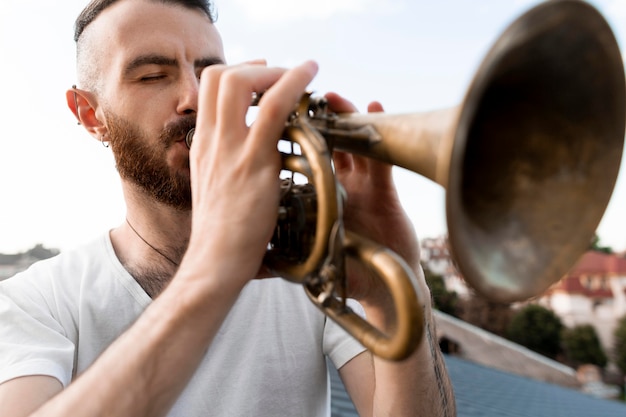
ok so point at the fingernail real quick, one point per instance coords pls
(313, 66)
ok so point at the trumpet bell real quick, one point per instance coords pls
(537, 150)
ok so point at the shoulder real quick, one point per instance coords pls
(68, 276)
(90, 254)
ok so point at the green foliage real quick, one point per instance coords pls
(537, 328)
(582, 346)
(443, 300)
(596, 246)
(488, 315)
(619, 346)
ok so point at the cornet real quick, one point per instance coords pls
(528, 160)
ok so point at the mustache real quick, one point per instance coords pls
(177, 130)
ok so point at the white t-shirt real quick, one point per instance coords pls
(268, 358)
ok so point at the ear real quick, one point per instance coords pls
(84, 105)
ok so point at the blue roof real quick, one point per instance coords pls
(483, 391)
(340, 403)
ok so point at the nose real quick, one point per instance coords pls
(188, 98)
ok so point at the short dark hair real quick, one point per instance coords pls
(95, 7)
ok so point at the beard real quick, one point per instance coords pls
(146, 165)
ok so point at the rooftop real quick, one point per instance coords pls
(495, 377)
(483, 391)
(598, 263)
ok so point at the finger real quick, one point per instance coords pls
(278, 101)
(375, 107)
(258, 61)
(367, 164)
(342, 161)
(211, 83)
(207, 96)
(378, 170)
(237, 86)
(338, 104)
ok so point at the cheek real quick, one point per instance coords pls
(147, 112)
(178, 156)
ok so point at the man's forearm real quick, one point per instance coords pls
(144, 371)
(417, 386)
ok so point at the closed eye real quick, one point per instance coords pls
(152, 78)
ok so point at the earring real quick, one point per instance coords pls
(103, 142)
(75, 102)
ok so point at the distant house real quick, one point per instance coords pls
(593, 292)
(435, 255)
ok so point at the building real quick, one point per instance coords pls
(435, 255)
(593, 292)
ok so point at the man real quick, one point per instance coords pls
(163, 316)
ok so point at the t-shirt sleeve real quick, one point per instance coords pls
(340, 346)
(32, 342)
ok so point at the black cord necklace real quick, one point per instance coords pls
(152, 247)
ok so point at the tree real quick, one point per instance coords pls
(582, 346)
(488, 315)
(619, 344)
(443, 300)
(595, 245)
(536, 328)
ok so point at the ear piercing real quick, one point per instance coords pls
(75, 102)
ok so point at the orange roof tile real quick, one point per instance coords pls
(593, 262)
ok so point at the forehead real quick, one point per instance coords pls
(133, 27)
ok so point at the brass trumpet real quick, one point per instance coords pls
(528, 161)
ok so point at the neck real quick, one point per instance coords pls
(152, 242)
(154, 248)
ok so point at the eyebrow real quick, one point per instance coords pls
(154, 59)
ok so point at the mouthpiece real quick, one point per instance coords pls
(189, 137)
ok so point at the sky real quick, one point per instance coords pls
(60, 188)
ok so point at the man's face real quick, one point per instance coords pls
(145, 163)
(150, 56)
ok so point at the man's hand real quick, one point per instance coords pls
(373, 210)
(419, 385)
(235, 167)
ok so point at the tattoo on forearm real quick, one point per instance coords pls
(448, 406)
